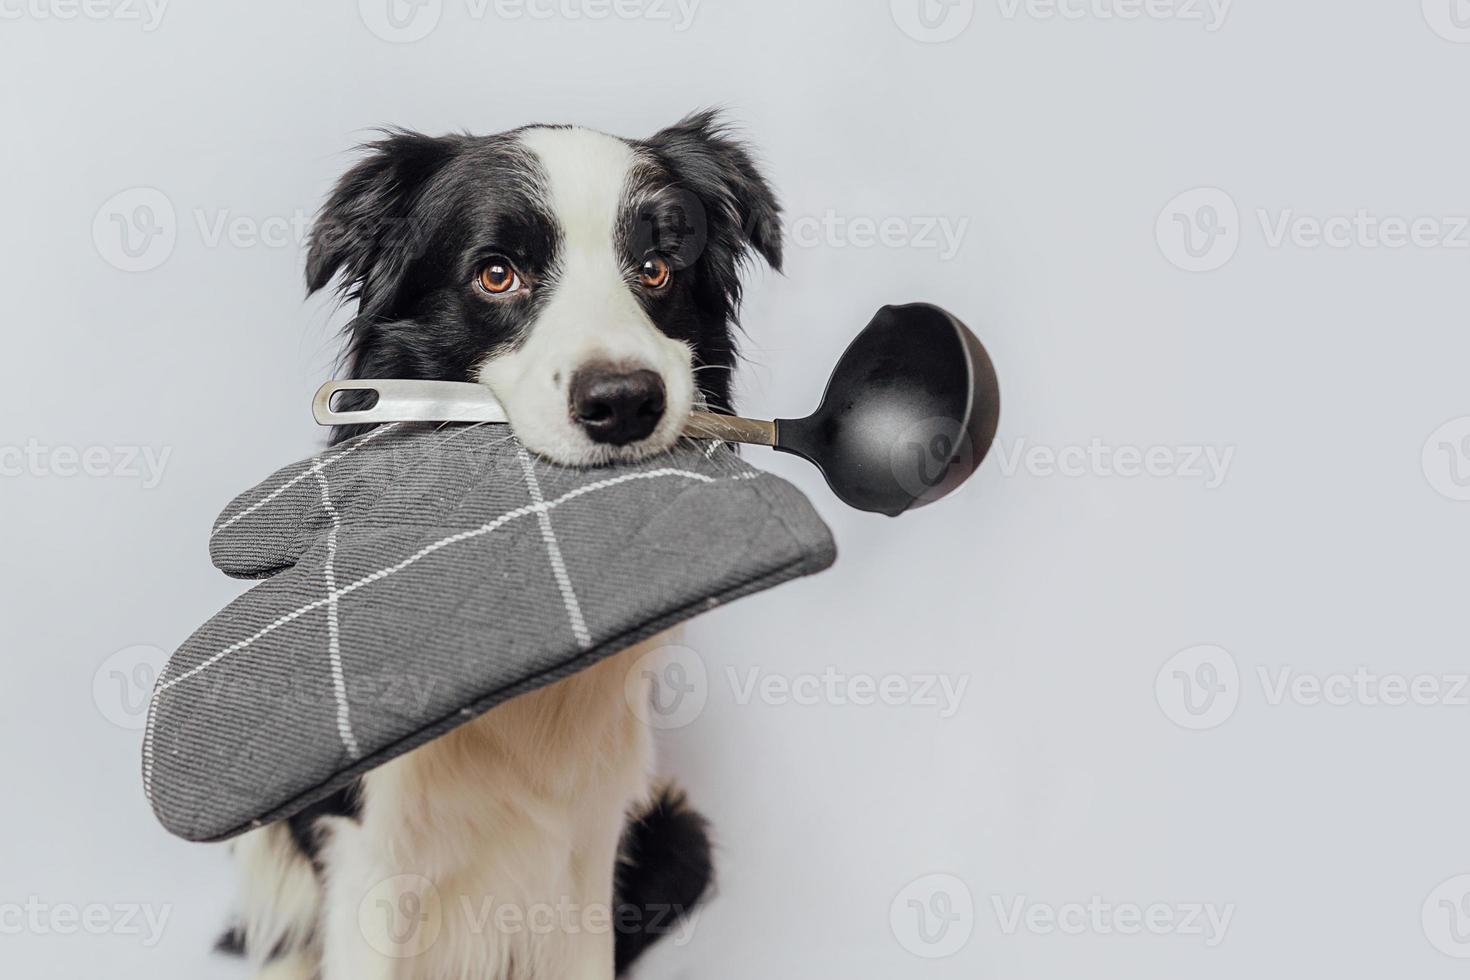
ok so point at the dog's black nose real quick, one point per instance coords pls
(617, 406)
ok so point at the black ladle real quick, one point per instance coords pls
(909, 412)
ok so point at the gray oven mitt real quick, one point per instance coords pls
(415, 577)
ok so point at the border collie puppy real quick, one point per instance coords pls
(592, 283)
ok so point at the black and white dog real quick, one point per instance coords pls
(592, 282)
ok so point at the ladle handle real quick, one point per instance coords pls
(730, 428)
(398, 400)
(449, 401)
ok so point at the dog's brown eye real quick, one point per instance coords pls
(498, 276)
(656, 272)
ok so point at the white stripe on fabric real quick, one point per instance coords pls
(334, 638)
(553, 550)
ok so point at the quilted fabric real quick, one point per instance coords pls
(416, 577)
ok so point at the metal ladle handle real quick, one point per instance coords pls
(399, 400)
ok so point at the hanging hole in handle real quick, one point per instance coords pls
(347, 400)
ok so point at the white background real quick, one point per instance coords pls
(1060, 141)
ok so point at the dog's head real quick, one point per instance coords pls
(591, 282)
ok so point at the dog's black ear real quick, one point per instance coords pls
(705, 156)
(367, 230)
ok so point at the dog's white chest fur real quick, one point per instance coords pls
(488, 853)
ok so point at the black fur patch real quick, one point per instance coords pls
(231, 942)
(665, 869)
(345, 802)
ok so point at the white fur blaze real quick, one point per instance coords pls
(590, 313)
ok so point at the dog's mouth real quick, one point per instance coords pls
(586, 452)
(606, 456)
(604, 412)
